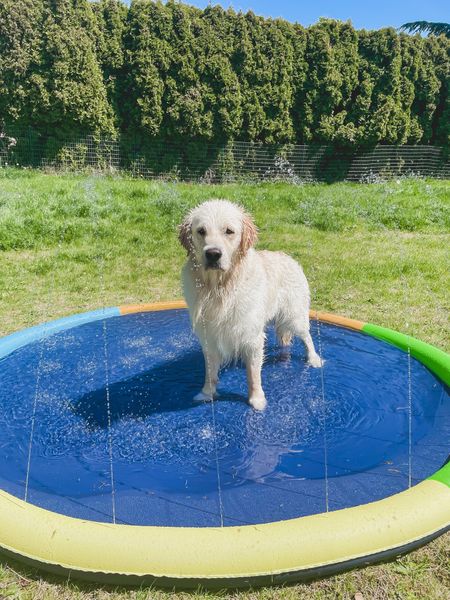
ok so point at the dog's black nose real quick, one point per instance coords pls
(213, 255)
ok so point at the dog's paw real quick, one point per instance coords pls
(202, 397)
(258, 400)
(315, 361)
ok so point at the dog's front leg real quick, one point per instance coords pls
(253, 363)
(212, 365)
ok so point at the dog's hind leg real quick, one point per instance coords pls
(284, 337)
(253, 362)
(301, 329)
(284, 334)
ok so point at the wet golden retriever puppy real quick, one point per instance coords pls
(233, 291)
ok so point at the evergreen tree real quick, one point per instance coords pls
(147, 58)
(186, 111)
(243, 64)
(22, 89)
(280, 47)
(411, 51)
(76, 100)
(380, 110)
(300, 70)
(216, 46)
(437, 52)
(110, 18)
(264, 64)
(332, 76)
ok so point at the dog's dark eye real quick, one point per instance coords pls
(201, 231)
(229, 231)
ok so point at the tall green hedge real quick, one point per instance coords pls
(169, 71)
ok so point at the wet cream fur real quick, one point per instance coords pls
(231, 305)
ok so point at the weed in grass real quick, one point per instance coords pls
(168, 202)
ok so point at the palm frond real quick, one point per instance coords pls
(427, 27)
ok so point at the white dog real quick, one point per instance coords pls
(233, 291)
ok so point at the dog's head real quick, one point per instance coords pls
(217, 234)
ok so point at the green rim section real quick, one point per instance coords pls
(436, 360)
(433, 358)
(443, 475)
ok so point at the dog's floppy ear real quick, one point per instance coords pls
(185, 234)
(249, 233)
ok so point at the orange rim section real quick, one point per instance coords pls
(127, 309)
(336, 320)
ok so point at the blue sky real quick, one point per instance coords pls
(367, 14)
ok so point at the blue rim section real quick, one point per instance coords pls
(25, 336)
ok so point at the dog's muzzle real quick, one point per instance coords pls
(213, 256)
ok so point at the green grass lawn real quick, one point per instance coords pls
(375, 252)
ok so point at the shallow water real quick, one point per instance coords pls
(271, 464)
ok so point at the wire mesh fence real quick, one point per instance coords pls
(199, 160)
